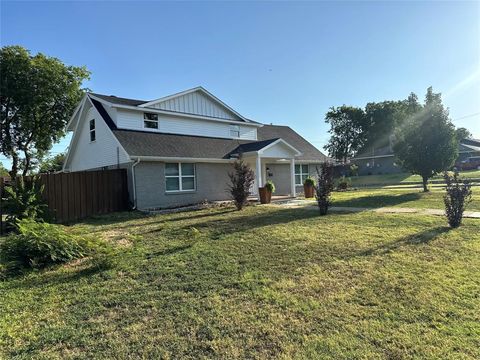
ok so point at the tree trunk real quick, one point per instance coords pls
(425, 183)
(14, 171)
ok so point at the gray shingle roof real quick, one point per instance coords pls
(119, 100)
(142, 143)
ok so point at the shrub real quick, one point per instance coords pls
(24, 201)
(458, 195)
(354, 170)
(309, 181)
(324, 187)
(270, 186)
(241, 180)
(343, 183)
(39, 244)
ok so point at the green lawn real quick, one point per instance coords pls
(267, 282)
(390, 179)
(414, 198)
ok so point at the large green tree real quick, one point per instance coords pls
(426, 143)
(51, 163)
(382, 119)
(463, 133)
(347, 131)
(38, 94)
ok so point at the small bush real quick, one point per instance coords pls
(309, 181)
(354, 170)
(39, 244)
(343, 183)
(270, 186)
(458, 195)
(241, 180)
(24, 201)
(324, 187)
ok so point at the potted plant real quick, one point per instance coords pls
(309, 187)
(266, 192)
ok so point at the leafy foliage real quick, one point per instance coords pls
(462, 133)
(324, 187)
(426, 144)
(39, 244)
(343, 183)
(458, 195)
(241, 180)
(37, 95)
(309, 181)
(3, 170)
(24, 201)
(354, 170)
(347, 128)
(52, 164)
(270, 186)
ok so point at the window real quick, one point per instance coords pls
(235, 131)
(179, 177)
(92, 131)
(150, 121)
(301, 173)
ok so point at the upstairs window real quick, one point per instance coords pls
(150, 121)
(235, 131)
(179, 177)
(92, 131)
(301, 173)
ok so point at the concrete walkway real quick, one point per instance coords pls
(383, 210)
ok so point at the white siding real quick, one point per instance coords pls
(197, 103)
(278, 151)
(127, 119)
(87, 155)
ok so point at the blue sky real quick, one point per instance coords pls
(279, 62)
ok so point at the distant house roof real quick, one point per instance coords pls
(143, 143)
(384, 151)
(119, 100)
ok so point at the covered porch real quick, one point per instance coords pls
(273, 160)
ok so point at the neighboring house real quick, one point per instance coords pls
(382, 160)
(178, 149)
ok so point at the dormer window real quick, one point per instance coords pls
(150, 121)
(93, 135)
(235, 131)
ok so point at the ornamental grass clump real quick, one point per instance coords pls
(458, 195)
(324, 187)
(38, 244)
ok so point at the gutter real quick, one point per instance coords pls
(134, 184)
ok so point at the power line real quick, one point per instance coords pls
(466, 116)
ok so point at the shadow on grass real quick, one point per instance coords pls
(377, 201)
(423, 237)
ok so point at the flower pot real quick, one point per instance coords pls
(309, 191)
(265, 195)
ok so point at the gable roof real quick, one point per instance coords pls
(119, 100)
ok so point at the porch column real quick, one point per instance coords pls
(292, 177)
(258, 171)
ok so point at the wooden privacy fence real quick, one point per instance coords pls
(77, 195)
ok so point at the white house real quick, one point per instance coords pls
(178, 149)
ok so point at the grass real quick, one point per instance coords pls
(413, 198)
(267, 282)
(391, 179)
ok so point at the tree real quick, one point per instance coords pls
(382, 118)
(3, 171)
(347, 128)
(463, 133)
(52, 164)
(426, 144)
(241, 180)
(37, 95)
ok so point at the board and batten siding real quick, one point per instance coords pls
(127, 119)
(196, 103)
(102, 152)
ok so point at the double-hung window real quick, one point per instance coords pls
(235, 131)
(150, 121)
(93, 135)
(301, 173)
(179, 177)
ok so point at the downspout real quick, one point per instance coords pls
(134, 184)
